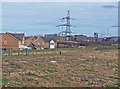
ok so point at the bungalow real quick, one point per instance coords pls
(11, 40)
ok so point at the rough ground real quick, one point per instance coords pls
(82, 67)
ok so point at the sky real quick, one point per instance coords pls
(40, 18)
(60, 0)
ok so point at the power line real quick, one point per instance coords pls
(67, 25)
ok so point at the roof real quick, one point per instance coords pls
(18, 36)
(27, 37)
(33, 37)
(1, 33)
(67, 42)
(48, 39)
(51, 35)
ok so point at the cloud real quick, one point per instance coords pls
(109, 6)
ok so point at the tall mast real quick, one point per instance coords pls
(67, 25)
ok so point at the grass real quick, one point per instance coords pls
(118, 83)
(29, 74)
(91, 83)
(50, 70)
(56, 74)
(24, 87)
(4, 81)
(103, 48)
(108, 86)
(88, 48)
(89, 70)
(38, 65)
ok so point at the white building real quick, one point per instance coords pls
(52, 44)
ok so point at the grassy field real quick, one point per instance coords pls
(74, 67)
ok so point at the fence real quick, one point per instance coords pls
(11, 52)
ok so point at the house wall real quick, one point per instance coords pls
(52, 44)
(23, 41)
(38, 41)
(46, 45)
(55, 44)
(27, 41)
(9, 42)
(41, 42)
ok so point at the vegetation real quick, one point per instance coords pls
(29, 74)
(74, 67)
(50, 70)
(89, 70)
(4, 81)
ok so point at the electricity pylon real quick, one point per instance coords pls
(67, 25)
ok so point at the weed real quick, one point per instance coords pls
(50, 70)
(38, 65)
(4, 81)
(24, 87)
(88, 70)
(29, 74)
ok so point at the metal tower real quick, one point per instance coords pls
(67, 25)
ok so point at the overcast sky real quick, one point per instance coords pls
(37, 18)
(60, 0)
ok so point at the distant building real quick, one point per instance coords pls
(52, 44)
(40, 42)
(96, 36)
(67, 44)
(79, 38)
(47, 39)
(50, 35)
(36, 42)
(115, 38)
(11, 40)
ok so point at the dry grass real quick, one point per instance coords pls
(83, 67)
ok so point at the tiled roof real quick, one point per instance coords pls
(1, 33)
(48, 39)
(18, 36)
(27, 37)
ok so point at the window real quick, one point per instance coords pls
(51, 43)
(5, 42)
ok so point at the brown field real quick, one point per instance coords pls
(75, 67)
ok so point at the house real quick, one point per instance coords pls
(36, 42)
(34, 46)
(49, 39)
(41, 42)
(11, 40)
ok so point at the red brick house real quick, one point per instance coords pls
(36, 42)
(11, 40)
